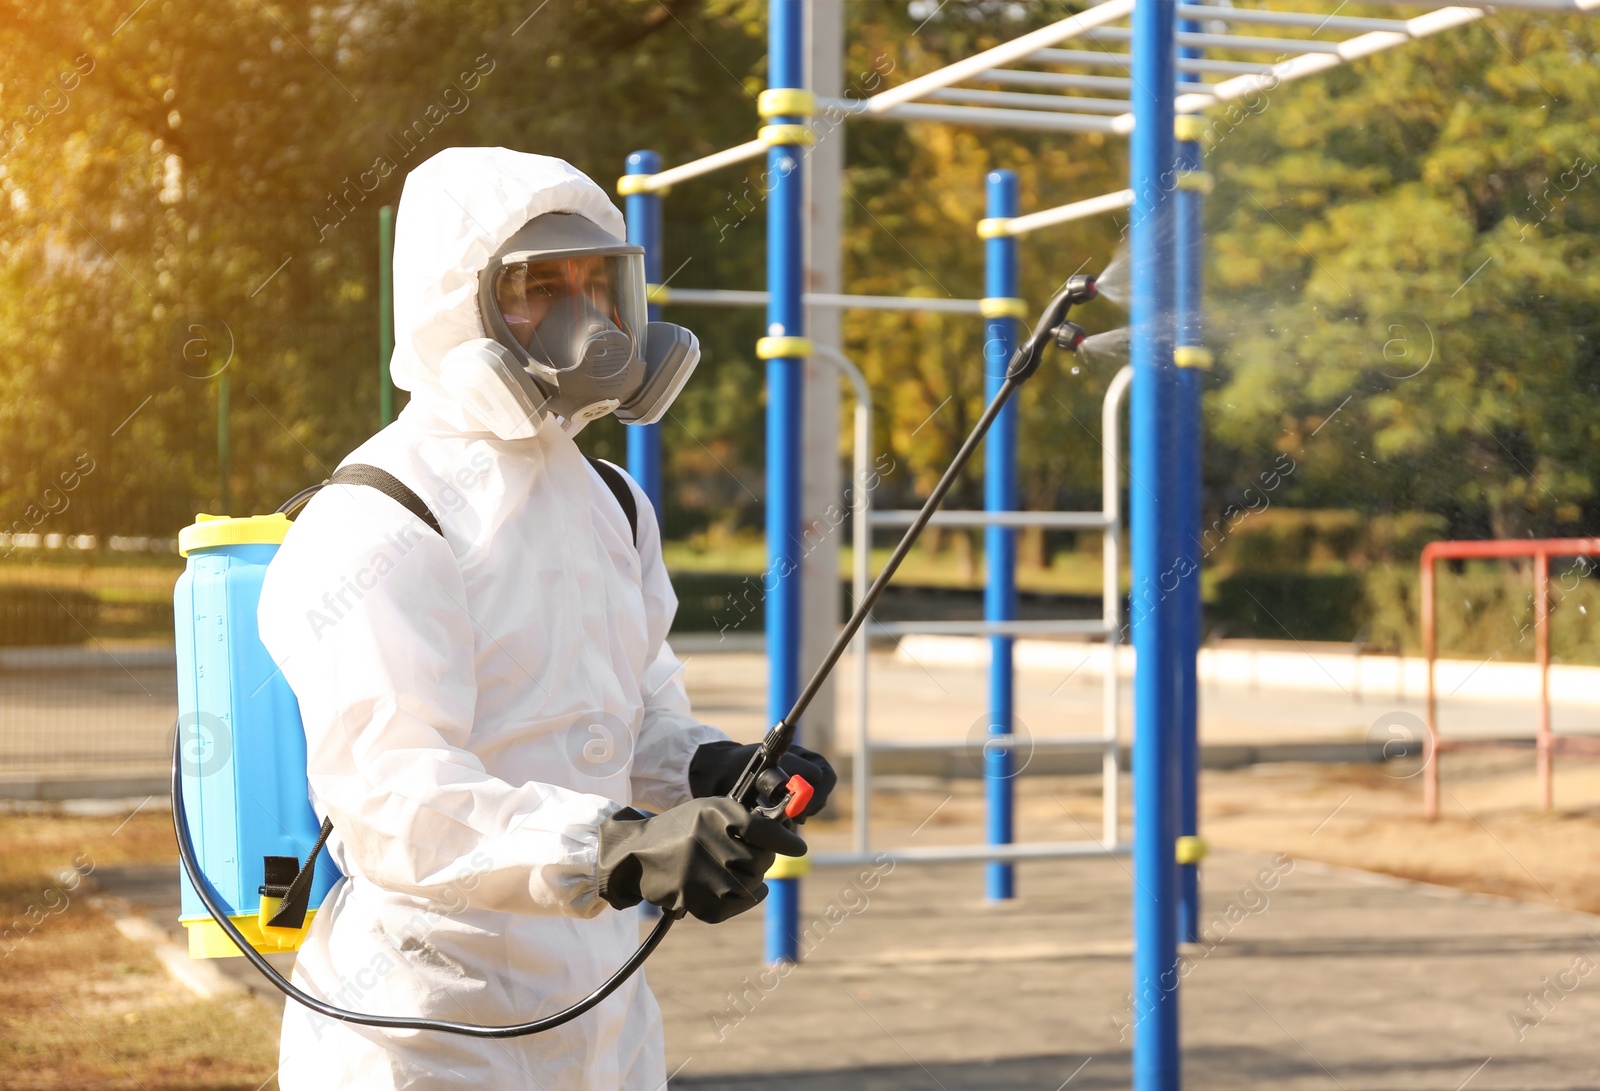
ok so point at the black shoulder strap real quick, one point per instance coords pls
(285, 876)
(618, 484)
(359, 473)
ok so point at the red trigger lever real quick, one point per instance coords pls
(800, 793)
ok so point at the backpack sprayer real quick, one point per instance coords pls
(223, 584)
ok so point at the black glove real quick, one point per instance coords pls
(706, 857)
(716, 766)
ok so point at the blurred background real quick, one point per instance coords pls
(1403, 295)
(190, 268)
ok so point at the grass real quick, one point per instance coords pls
(85, 1007)
(1070, 572)
(113, 582)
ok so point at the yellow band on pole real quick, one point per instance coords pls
(1196, 181)
(1195, 356)
(1189, 126)
(996, 227)
(786, 102)
(789, 867)
(1003, 307)
(782, 348)
(659, 294)
(773, 135)
(630, 184)
(1191, 850)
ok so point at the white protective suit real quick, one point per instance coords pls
(475, 704)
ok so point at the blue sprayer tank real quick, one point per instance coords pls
(244, 763)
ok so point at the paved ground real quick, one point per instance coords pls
(1316, 978)
(1333, 979)
(101, 720)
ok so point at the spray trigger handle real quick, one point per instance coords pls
(800, 793)
(790, 795)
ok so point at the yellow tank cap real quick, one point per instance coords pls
(223, 530)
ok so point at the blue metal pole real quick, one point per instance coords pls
(1155, 501)
(785, 394)
(1191, 202)
(644, 229)
(999, 543)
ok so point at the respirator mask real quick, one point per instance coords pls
(564, 304)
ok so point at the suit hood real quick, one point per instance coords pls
(456, 210)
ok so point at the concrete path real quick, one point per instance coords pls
(1331, 979)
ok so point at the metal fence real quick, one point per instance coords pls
(85, 712)
(88, 687)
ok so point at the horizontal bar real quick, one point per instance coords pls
(1072, 81)
(1205, 66)
(713, 297)
(893, 303)
(1510, 547)
(1056, 520)
(751, 149)
(973, 115)
(1077, 210)
(1003, 742)
(1104, 59)
(1054, 627)
(886, 101)
(1268, 17)
(1000, 55)
(732, 297)
(948, 854)
(1063, 103)
(1567, 6)
(1244, 43)
(1309, 64)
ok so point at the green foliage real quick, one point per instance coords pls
(914, 195)
(1404, 285)
(1403, 289)
(1287, 606)
(41, 615)
(1318, 541)
(1484, 611)
(201, 192)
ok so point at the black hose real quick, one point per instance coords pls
(213, 904)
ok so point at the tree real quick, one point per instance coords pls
(1403, 281)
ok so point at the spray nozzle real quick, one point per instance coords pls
(1053, 326)
(1069, 335)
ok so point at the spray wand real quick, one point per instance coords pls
(762, 778)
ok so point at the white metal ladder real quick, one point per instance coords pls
(1108, 628)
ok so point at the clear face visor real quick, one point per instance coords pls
(565, 311)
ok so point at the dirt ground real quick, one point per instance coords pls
(84, 1007)
(1490, 837)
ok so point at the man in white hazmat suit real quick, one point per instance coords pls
(482, 702)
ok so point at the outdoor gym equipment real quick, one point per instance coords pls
(1546, 742)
